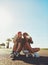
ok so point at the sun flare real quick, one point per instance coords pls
(5, 17)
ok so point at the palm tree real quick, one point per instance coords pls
(8, 41)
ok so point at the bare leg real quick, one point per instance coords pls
(16, 50)
(19, 47)
(15, 47)
(32, 50)
(36, 49)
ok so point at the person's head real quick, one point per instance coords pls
(19, 34)
(25, 34)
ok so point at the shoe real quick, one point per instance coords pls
(11, 55)
(16, 54)
(35, 55)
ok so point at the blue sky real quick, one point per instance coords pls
(27, 16)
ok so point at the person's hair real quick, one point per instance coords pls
(25, 34)
(19, 32)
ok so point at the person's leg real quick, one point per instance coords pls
(36, 49)
(32, 50)
(19, 47)
(16, 50)
(14, 47)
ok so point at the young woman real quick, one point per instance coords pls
(17, 44)
(28, 40)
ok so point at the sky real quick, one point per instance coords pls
(27, 16)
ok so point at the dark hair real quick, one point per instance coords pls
(25, 34)
(19, 32)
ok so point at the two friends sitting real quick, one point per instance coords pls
(22, 41)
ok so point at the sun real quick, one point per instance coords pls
(5, 17)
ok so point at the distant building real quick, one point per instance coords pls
(2, 45)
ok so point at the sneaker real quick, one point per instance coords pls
(11, 55)
(16, 54)
(36, 55)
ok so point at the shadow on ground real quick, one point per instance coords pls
(36, 61)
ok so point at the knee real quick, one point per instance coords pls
(39, 49)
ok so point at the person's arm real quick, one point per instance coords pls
(14, 40)
(30, 40)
